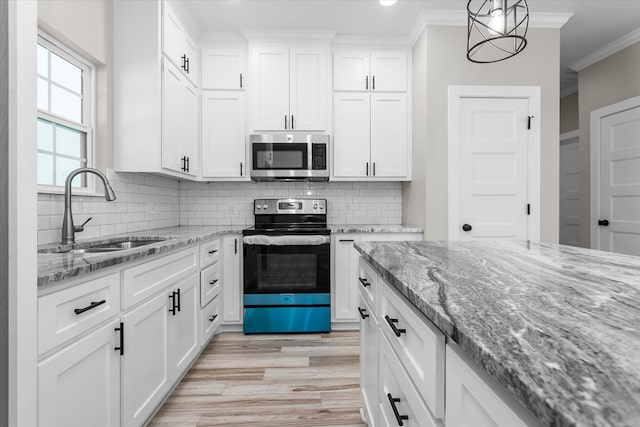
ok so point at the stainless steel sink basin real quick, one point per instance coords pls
(114, 246)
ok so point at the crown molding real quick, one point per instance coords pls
(297, 35)
(569, 90)
(569, 135)
(222, 37)
(607, 50)
(371, 41)
(459, 18)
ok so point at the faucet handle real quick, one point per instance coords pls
(79, 228)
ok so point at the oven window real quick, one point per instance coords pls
(286, 269)
(279, 156)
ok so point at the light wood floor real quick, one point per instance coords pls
(269, 380)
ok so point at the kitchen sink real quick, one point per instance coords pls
(114, 246)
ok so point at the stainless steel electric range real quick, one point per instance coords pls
(287, 271)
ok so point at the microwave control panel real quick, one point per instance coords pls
(318, 156)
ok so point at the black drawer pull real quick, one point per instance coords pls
(179, 304)
(121, 348)
(392, 324)
(363, 313)
(213, 251)
(392, 402)
(93, 305)
(172, 310)
(213, 282)
(364, 282)
(212, 318)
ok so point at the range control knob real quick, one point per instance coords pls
(315, 206)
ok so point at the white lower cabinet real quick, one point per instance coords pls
(231, 280)
(80, 385)
(368, 363)
(210, 320)
(184, 343)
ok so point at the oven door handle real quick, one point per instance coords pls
(286, 240)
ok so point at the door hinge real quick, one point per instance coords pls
(529, 121)
(528, 208)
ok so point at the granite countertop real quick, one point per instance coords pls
(56, 267)
(373, 228)
(557, 326)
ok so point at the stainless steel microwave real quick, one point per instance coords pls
(286, 156)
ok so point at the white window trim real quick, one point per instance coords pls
(88, 113)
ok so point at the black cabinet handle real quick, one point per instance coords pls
(392, 402)
(346, 240)
(374, 168)
(285, 121)
(92, 305)
(367, 168)
(179, 304)
(603, 222)
(467, 227)
(182, 163)
(363, 313)
(366, 82)
(364, 282)
(212, 318)
(240, 80)
(187, 65)
(184, 62)
(241, 169)
(213, 282)
(392, 325)
(213, 251)
(121, 347)
(373, 83)
(172, 310)
(235, 246)
(188, 163)
(292, 127)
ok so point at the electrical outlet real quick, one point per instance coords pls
(152, 208)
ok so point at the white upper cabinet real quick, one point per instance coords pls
(389, 146)
(289, 89)
(351, 134)
(381, 70)
(177, 43)
(223, 68)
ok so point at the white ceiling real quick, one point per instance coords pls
(595, 23)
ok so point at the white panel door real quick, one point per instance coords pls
(493, 168)
(189, 142)
(80, 385)
(570, 193)
(388, 70)
(145, 369)
(270, 88)
(223, 68)
(231, 283)
(172, 35)
(620, 182)
(172, 117)
(351, 139)
(389, 142)
(308, 88)
(183, 326)
(346, 268)
(350, 69)
(223, 135)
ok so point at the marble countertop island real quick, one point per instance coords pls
(557, 326)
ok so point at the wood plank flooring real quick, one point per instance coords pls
(269, 380)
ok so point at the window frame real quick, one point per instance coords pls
(88, 112)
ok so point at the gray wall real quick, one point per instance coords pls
(4, 214)
(569, 119)
(444, 59)
(606, 82)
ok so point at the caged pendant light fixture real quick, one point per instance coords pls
(496, 29)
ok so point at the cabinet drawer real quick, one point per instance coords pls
(66, 314)
(143, 281)
(210, 284)
(420, 346)
(210, 320)
(209, 253)
(368, 284)
(397, 392)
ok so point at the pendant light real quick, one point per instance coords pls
(496, 29)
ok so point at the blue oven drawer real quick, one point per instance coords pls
(262, 320)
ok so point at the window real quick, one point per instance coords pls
(65, 113)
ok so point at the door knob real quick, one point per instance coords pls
(603, 222)
(466, 227)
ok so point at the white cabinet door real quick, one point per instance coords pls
(223, 68)
(183, 326)
(368, 362)
(351, 70)
(351, 135)
(172, 115)
(346, 262)
(270, 90)
(145, 368)
(308, 88)
(388, 70)
(178, 45)
(189, 143)
(223, 135)
(80, 385)
(231, 285)
(389, 141)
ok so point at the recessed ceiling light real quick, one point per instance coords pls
(388, 2)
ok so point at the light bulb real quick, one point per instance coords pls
(388, 2)
(497, 21)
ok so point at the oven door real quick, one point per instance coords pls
(286, 264)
